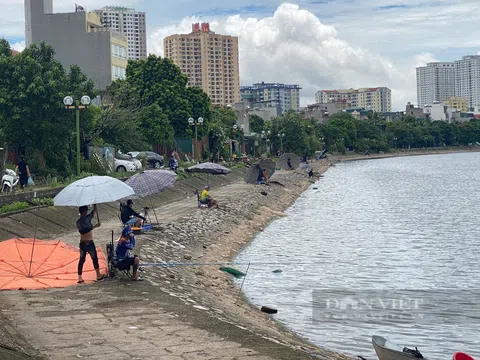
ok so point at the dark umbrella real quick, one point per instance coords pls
(209, 168)
(283, 161)
(252, 172)
(150, 182)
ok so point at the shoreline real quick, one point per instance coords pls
(179, 312)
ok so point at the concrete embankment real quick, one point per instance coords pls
(179, 312)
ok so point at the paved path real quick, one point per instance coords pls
(121, 319)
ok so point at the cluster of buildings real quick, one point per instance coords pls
(449, 90)
(101, 42)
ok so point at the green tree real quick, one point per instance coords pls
(33, 119)
(341, 130)
(257, 124)
(159, 81)
(155, 126)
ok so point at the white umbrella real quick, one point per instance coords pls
(93, 190)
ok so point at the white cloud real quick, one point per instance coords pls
(294, 46)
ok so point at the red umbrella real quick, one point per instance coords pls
(27, 264)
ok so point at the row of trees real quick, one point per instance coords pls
(344, 132)
(152, 106)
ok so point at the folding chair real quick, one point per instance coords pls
(113, 264)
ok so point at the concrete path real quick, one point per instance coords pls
(164, 318)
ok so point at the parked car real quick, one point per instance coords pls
(124, 165)
(127, 157)
(153, 159)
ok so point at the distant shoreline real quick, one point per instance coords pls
(412, 152)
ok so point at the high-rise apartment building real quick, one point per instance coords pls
(78, 38)
(435, 82)
(450, 82)
(378, 99)
(467, 79)
(209, 60)
(130, 23)
(285, 97)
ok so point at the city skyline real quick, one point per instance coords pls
(345, 49)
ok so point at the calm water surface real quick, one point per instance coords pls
(387, 247)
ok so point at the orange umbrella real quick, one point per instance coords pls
(27, 264)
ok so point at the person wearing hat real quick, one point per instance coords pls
(131, 217)
(205, 198)
(125, 258)
(87, 246)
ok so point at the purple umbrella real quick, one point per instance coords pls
(150, 182)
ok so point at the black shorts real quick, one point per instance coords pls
(23, 180)
(126, 263)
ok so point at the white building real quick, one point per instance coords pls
(130, 23)
(435, 82)
(440, 111)
(467, 79)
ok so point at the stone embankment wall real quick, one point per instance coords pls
(46, 222)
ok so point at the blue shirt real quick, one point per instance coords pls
(125, 244)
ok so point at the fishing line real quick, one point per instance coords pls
(238, 263)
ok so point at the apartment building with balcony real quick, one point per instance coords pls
(272, 95)
(378, 99)
(467, 80)
(435, 82)
(78, 38)
(209, 60)
(130, 23)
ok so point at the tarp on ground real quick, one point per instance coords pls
(28, 264)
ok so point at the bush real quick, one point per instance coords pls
(42, 201)
(13, 207)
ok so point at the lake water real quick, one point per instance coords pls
(384, 247)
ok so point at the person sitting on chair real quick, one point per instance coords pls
(131, 217)
(205, 198)
(125, 259)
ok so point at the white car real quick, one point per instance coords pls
(127, 158)
(124, 165)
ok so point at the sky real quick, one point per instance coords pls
(317, 44)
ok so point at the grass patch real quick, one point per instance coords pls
(239, 165)
(14, 207)
(42, 202)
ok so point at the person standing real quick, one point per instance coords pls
(289, 164)
(87, 246)
(23, 172)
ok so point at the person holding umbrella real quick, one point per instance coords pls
(87, 246)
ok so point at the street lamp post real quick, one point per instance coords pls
(197, 123)
(236, 129)
(395, 141)
(69, 104)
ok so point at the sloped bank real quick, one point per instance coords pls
(53, 221)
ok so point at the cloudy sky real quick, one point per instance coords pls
(318, 44)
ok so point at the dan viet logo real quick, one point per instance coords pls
(374, 306)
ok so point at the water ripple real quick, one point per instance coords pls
(388, 247)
